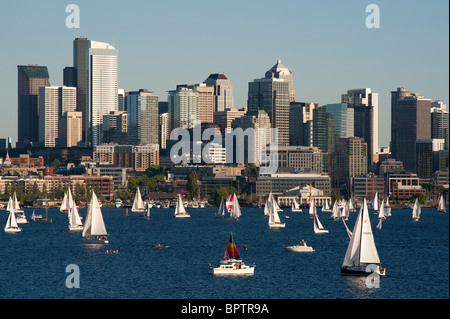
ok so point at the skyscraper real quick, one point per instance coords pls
(143, 117)
(101, 88)
(412, 122)
(30, 79)
(300, 123)
(397, 95)
(365, 105)
(54, 102)
(80, 47)
(439, 121)
(223, 91)
(272, 94)
(350, 159)
(183, 108)
(205, 100)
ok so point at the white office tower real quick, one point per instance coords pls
(101, 89)
(54, 103)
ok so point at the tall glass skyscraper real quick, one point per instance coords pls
(143, 117)
(223, 91)
(101, 89)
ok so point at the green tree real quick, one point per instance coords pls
(192, 184)
(222, 193)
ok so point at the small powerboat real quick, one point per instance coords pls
(302, 247)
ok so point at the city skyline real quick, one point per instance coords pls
(381, 59)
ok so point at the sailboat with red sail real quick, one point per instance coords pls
(231, 263)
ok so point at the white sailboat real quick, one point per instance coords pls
(416, 211)
(274, 218)
(295, 207)
(318, 228)
(312, 209)
(94, 231)
(221, 212)
(146, 211)
(326, 207)
(381, 214)
(387, 208)
(336, 212)
(441, 206)
(362, 257)
(138, 204)
(11, 224)
(375, 202)
(180, 211)
(66, 202)
(74, 218)
(345, 211)
(233, 207)
(351, 207)
(21, 218)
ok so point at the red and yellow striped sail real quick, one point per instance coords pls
(231, 252)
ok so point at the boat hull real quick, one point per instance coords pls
(233, 269)
(300, 249)
(277, 225)
(76, 227)
(182, 215)
(101, 240)
(296, 210)
(321, 231)
(13, 230)
(362, 270)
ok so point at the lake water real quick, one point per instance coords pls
(33, 262)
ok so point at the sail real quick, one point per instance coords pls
(317, 224)
(138, 204)
(16, 206)
(229, 202)
(236, 209)
(416, 210)
(67, 201)
(312, 208)
(345, 210)
(375, 204)
(387, 207)
(74, 217)
(295, 205)
(11, 222)
(231, 252)
(361, 249)
(10, 205)
(179, 208)
(441, 206)
(381, 214)
(335, 213)
(94, 223)
(221, 211)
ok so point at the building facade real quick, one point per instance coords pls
(223, 91)
(143, 117)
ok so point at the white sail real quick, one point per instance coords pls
(387, 208)
(67, 201)
(295, 207)
(16, 206)
(345, 210)
(326, 206)
(236, 209)
(318, 228)
(74, 217)
(95, 225)
(312, 208)
(416, 210)
(441, 206)
(10, 206)
(381, 214)
(180, 211)
(138, 204)
(375, 204)
(335, 212)
(11, 222)
(361, 249)
(221, 211)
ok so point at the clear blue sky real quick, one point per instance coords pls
(325, 43)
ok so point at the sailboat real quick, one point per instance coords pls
(66, 202)
(345, 211)
(441, 206)
(222, 209)
(233, 207)
(351, 207)
(295, 206)
(45, 220)
(11, 224)
(270, 199)
(180, 211)
(21, 218)
(231, 263)
(138, 204)
(336, 212)
(274, 218)
(381, 214)
(74, 218)
(375, 202)
(416, 211)
(387, 208)
(318, 228)
(146, 211)
(362, 257)
(326, 207)
(94, 231)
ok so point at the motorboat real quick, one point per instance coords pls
(302, 247)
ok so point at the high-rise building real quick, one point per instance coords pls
(350, 159)
(273, 94)
(365, 105)
(223, 91)
(397, 95)
(205, 100)
(413, 122)
(343, 119)
(183, 108)
(54, 102)
(70, 129)
(80, 47)
(164, 131)
(439, 121)
(300, 123)
(30, 79)
(426, 157)
(143, 117)
(224, 118)
(115, 127)
(102, 88)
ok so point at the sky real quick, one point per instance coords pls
(325, 43)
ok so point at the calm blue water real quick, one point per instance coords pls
(33, 262)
